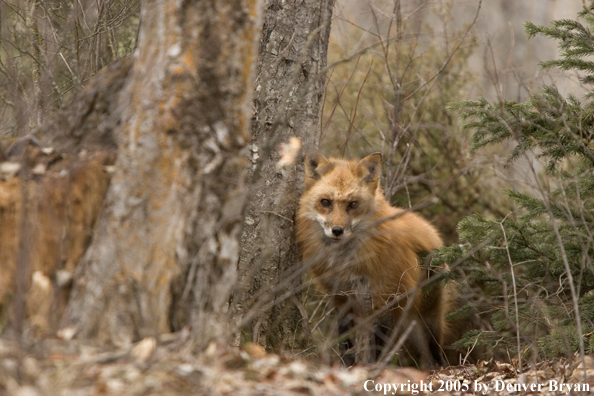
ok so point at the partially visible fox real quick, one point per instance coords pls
(364, 253)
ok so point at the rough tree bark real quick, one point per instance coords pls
(169, 234)
(288, 102)
(48, 208)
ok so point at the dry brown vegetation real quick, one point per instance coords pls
(167, 367)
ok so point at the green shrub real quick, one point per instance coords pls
(534, 266)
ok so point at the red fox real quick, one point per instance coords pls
(364, 253)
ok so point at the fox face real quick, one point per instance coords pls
(339, 195)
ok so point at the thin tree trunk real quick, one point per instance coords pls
(288, 102)
(166, 246)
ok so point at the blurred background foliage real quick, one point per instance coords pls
(49, 49)
(389, 93)
(533, 267)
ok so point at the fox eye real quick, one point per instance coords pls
(326, 203)
(353, 205)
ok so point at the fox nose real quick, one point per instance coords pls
(337, 231)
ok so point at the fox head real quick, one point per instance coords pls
(340, 194)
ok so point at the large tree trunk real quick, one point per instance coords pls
(288, 102)
(166, 246)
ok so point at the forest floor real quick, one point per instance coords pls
(170, 367)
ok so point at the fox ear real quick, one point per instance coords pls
(315, 166)
(369, 169)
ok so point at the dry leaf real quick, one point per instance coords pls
(144, 350)
(288, 152)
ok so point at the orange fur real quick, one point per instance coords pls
(364, 252)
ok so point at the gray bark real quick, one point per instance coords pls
(165, 248)
(288, 102)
